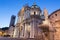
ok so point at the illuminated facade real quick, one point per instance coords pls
(32, 23)
(28, 20)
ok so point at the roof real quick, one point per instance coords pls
(54, 12)
(0, 28)
(5, 28)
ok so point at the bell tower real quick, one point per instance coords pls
(35, 13)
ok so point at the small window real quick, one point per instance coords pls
(55, 14)
(13, 17)
(34, 13)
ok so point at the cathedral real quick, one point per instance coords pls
(34, 23)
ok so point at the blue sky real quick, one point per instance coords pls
(12, 7)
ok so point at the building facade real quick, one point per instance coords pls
(55, 21)
(32, 23)
(28, 20)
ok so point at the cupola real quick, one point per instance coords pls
(35, 9)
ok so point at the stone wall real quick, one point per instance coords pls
(57, 34)
(55, 21)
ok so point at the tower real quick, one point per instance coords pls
(12, 21)
(48, 26)
(12, 25)
(35, 14)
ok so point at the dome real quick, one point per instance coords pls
(34, 6)
(35, 10)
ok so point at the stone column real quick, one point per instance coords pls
(51, 35)
(16, 32)
(25, 31)
(22, 32)
(32, 30)
(35, 23)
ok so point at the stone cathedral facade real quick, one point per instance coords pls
(32, 23)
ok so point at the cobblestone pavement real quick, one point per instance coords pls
(7, 38)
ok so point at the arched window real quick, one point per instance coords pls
(55, 14)
(34, 13)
